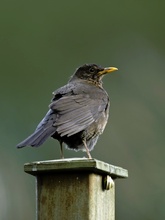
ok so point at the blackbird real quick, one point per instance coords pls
(78, 112)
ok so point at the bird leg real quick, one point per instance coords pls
(87, 150)
(61, 150)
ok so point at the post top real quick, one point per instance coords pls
(75, 164)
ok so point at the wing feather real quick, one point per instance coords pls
(76, 113)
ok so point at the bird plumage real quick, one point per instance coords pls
(77, 114)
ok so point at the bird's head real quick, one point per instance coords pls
(92, 73)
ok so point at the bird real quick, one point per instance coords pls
(78, 112)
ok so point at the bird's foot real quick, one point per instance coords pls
(87, 150)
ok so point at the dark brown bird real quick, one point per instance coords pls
(78, 112)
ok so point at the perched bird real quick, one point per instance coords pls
(78, 112)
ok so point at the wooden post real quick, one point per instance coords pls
(75, 189)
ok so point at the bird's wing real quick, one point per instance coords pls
(75, 113)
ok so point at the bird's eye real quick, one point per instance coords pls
(92, 70)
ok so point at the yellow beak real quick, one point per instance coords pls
(107, 70)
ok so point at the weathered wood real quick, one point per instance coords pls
(75, 189)
(73, 164)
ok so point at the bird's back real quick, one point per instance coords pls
(82, 114)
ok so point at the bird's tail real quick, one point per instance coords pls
(37, 138)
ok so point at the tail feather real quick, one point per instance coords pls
(37, 138)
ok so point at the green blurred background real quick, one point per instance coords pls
(41, 45)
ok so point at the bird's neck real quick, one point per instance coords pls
(95, 82)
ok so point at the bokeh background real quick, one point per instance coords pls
(41, 45)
